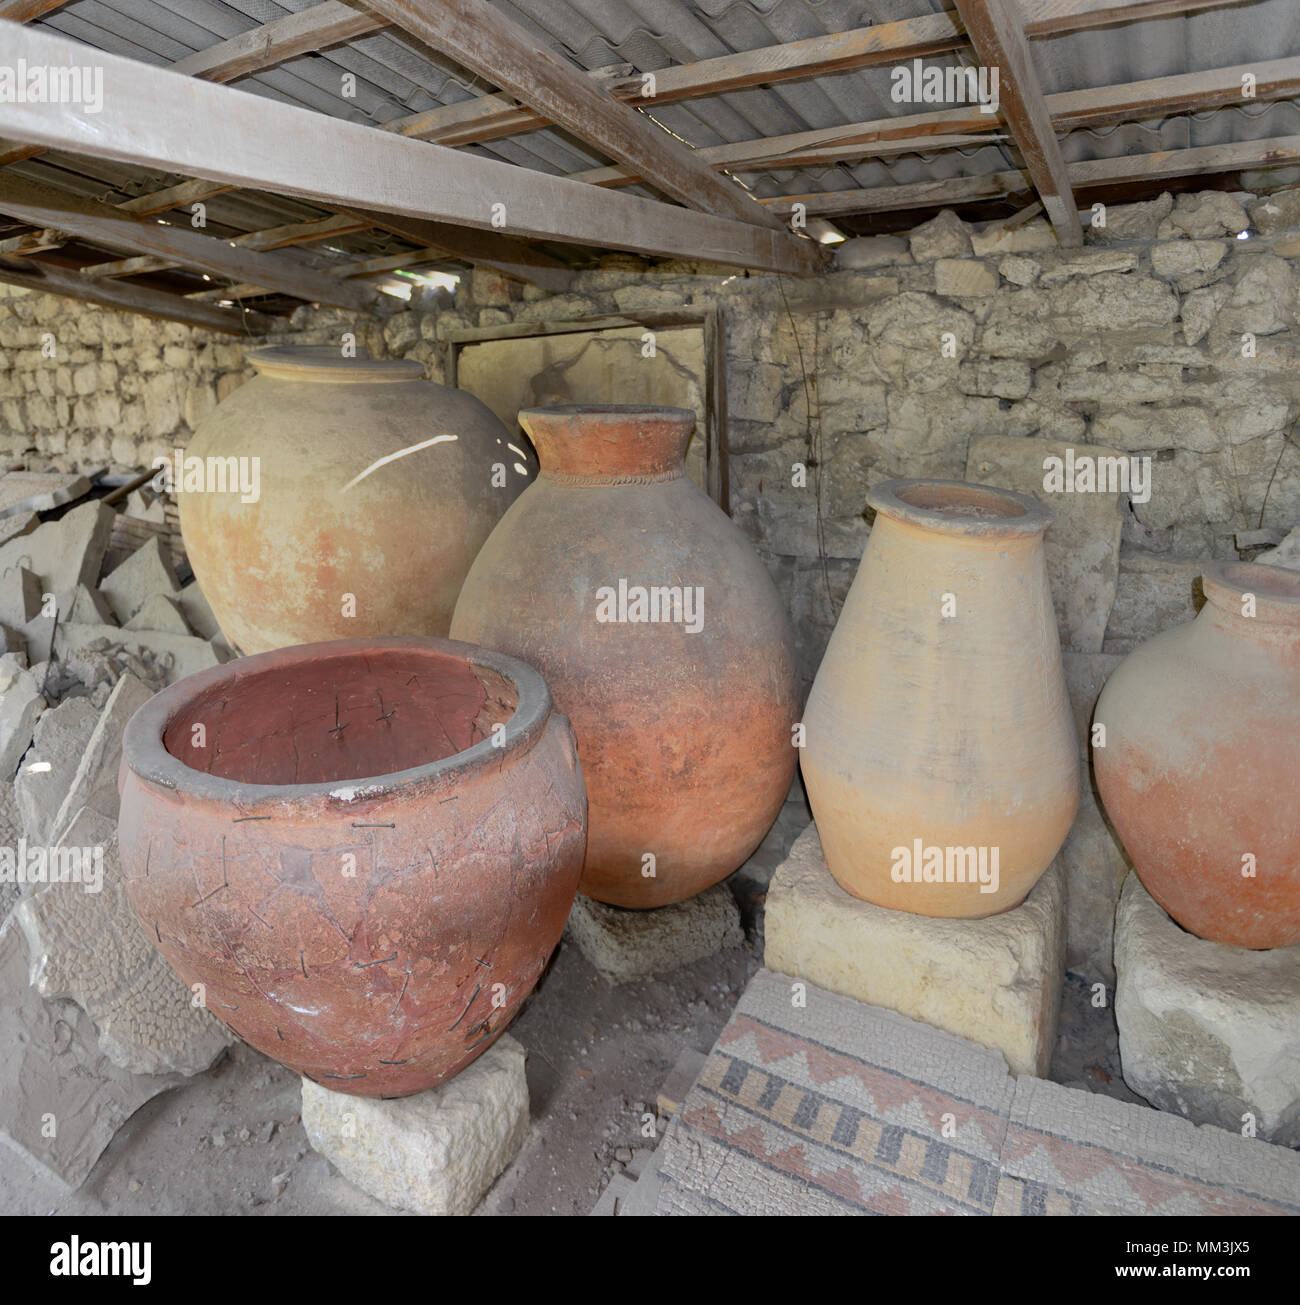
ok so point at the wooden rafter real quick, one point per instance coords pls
(158, 118)
(293, 233)
(88, 219)
(958, 127)
(365, 267)
(1276, 151)
(28, 11)
(49, 279)
(496, 47)
(996, 30)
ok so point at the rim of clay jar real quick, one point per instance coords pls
(931, 503)
(1276, 590)
(145, 754)
(618, 411)
(321, 362)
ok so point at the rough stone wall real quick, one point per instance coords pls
(1166, 336)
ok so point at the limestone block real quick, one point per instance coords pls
(1207, 1031)
(1263, 300)
(625, 946)
(1082, 547)
(1088, 262)
(63, 553)
(148, 571)
(1026, 239)
(960, 278)
(197, 611)
(1279, 211)
(45, 773)
(10, 832)
(21, 705)
(999, 378)
(88, 947)
(93, 785)
(1019, 270)
(996, 981)
(159, 612)
(1133, 221)
(944, 236)
(1155, 592)
(436, 1152)
(61, 1098)
(1187, 261)
(20, 597)
(871, 251)
(1115, 301)
(1200, 308)
(1206, 213)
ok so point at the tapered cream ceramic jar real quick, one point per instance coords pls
(940, 758)
(375, 490)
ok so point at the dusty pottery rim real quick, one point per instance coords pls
(1017, 515)
(1276, 590)
(145, 755)
(324, 363)
(618, 411)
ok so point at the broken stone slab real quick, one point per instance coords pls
(88, 947)
(437, 1152)
(177, 655)
(148, 571)
(944, 236)
(1082, 547)
(1065, 266)
(93, 786)
(21, 705)
(21, 592)
(160, 613)
(15, 526)
(198, 612)
(1286, 554)
(47, 770)
(63, 553)
(12, 641)
(625, 945)
(1207, 1031)
(10, 832)
(1154, 593)
(61, 1098)
(871, 251)
(89, 607)
(1204, 214)
(25, 492)
(995, 981)
(1133, 221)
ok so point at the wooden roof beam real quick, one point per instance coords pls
(156, 118)
(46, 278)
(997, 32)
(88, 219)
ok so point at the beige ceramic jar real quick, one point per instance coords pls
(941, 760)
(371, 482)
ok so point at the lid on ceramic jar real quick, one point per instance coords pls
(325, 363)
(960, 507)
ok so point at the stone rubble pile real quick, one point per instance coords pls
(103, 1021)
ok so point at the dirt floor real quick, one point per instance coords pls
(231, 1141)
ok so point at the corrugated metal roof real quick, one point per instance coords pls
(396, 76)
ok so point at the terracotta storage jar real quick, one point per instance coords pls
(372, 482)
(1200, 768)
(662, 637)
(365, 851)
(941, 759)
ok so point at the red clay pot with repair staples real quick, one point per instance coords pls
(365, 851)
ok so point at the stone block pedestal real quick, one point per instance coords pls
(628, 945)
(1208, 1031)
(996, 981)
(437, 1152)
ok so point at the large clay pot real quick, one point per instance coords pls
(374, 483)
(1200, 766)
(939, 733)
(684, 723)
(364, 873)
